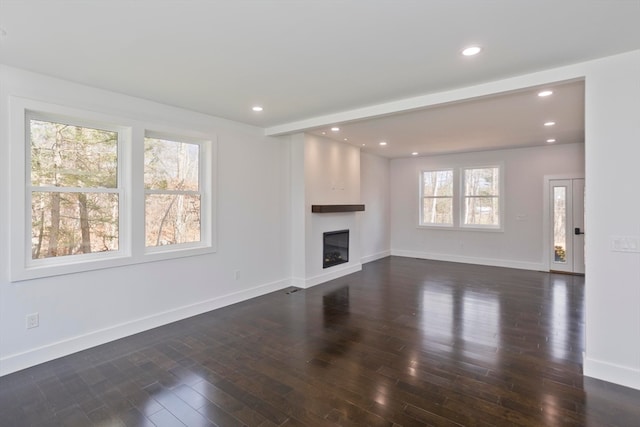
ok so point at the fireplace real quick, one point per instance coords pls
(335, 248)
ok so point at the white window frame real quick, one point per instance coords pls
(458, 205)
(124, 140)
(205, 155)
(452, 197)
(131, 244)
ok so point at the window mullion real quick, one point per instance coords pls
(458, 192)
(136, 191)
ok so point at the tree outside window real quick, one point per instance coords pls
(172, 192)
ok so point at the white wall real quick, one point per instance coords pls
(613, 209)
(85, 309)
(375, 231)
(520, 245)
(298, 210)
(331, 176)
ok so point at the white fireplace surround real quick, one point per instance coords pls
(324, 172)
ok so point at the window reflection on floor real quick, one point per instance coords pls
(559, 321)
(480, 318)
(467, 319)
(437, 316)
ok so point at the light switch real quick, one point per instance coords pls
(625, 244)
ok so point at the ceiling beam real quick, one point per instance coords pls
(555, 75)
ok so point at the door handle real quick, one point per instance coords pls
(577, 231)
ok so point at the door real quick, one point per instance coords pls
(567, 225)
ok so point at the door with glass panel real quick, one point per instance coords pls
(567, 225)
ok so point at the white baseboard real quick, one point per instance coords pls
(610, 372)
(333, 274)
(298, 282)
(522, 265)
(19, 361)
(376, 256)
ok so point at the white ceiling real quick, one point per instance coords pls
(302, 59)
(507, 120)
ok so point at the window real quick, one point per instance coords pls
(73, 188)
(482, 197)
(172, 192)
(466, 198)
(437, 197)
(93, 191)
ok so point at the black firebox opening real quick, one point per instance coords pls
(335, 248)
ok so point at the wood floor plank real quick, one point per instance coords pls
(404, 342)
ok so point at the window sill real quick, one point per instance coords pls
(53, 268)
(467, 228)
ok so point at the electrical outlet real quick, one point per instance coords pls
(33, 321)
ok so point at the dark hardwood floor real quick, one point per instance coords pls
(404, 342)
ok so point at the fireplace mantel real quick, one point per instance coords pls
(336, 208)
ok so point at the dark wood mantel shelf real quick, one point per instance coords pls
(336, 208)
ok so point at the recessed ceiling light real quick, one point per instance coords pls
(551, 140)
(346, 139)
(364, 145)
(383, 143)
(335, 129)
(415, 153)
(471, 50)
(257, 108)
(324, 133)
(549, 123)
(545, 93)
